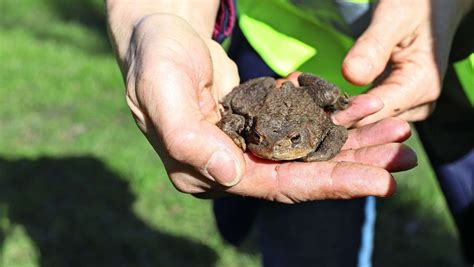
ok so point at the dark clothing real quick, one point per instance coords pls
(448, 138)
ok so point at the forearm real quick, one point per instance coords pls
(124, 15)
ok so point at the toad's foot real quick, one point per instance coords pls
(330, 146)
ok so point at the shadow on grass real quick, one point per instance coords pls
(79, 213)
(90, 13)
(404, 237)
(76, 23)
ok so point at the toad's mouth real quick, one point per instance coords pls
(276, 155)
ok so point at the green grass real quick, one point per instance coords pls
(80, 185)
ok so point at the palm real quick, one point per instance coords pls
(363, 153)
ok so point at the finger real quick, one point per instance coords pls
(418, 113)
(292, 77)
(367, 145)
(391, 23)
(381, 132)
(391, 157)
(409, 85)
(359, 107)
(294, 182)
(226, 76)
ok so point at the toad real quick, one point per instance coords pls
(286, 122)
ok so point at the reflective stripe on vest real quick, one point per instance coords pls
(288, 39)
(465, 72)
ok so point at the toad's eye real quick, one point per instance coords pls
(255, 138)
(295, 139)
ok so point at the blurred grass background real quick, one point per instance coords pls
(80, 186)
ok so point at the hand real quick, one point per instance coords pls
(360, 169)
(407, 46)
(174, 78)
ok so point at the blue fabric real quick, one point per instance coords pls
(367, 243)
(457, 182)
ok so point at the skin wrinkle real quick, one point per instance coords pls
(381, 90)
(413, 81)
(127, 65)
(419, 112)
(159, 114)
(137, 114)
(276, 193)
(181, 173)
(208, 107)
(302, 183)
(284, 182)
(175, 143)
(406, 43)
(332, 185)
(387, 157)
(361, 186)
(183, 184)
(375, 39)
(358, 138)
(177, 140)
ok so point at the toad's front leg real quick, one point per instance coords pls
(325, 94)
(233, 125)
(330, 146)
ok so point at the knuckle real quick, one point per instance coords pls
(432, 95)
(372, 40)
(281, 197)
(283, 190)
(426, 111)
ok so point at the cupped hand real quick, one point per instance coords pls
(362, 168)
(174, 79)
(406, 46)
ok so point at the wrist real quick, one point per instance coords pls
(123, 16)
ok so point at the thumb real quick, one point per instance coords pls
(371, 52)
(206, 148)
(186, 135)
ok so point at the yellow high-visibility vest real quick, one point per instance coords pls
(465, 72)
(289, 39)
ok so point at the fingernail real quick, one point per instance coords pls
(224, 168)
(359, 65)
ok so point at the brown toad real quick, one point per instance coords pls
(285, 123)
